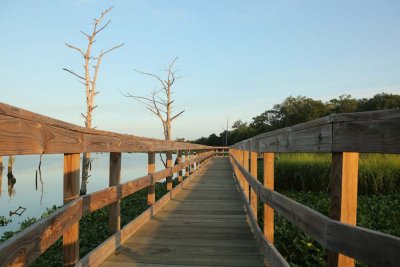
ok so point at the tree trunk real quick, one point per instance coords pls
(85, 173)
(86, 162)
(10, 163)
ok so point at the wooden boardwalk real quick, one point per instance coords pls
(204, 225)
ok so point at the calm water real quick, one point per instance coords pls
(25, 194)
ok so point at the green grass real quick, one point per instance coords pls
(378, 173)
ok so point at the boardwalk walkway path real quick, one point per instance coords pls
(204, 225)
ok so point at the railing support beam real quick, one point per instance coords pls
(253, 196)
(344, 182)
(71, 192)
(151, 168)
(269, 178)
(114, 214)
(180, 173)
(245, 161)
(169, 165)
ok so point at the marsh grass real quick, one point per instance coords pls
(378, 173)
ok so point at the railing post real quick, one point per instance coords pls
(151, 168)
(193, 166)
(239, 158)
(169, 165)
(180, 177)
(114, 213)
(187, 158)
(71, 192)
(344, 197)
(269, 178)
(245, 162)
(199, 160)
(253, 168)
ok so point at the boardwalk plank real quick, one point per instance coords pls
(204, 225)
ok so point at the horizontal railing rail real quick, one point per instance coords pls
(23, 132)
(368, 246)
(345, 136)
(29, 244)
(373, 131)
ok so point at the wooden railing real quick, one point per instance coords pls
(343, 135)
(23, 132)
(221, 151)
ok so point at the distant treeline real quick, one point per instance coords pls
(295, 110)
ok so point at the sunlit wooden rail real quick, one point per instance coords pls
(343, 135)
(23, 132)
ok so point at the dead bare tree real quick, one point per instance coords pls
(160, 100)
(89, 80)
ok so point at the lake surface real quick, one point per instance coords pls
(24, 193)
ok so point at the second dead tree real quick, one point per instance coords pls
(160, 104)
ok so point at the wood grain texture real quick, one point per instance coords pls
(151, 168)
(375, 136)
(26, 246)
(313, 136)
(169, 165)
(272, 257)
(367, 246)
(344, 184)
(374, 132)
(269, 179)
(246, 187)
(105, 249)
(24, 132)
(71, 192)
(212, 233)
(253, 171)
(114, 213)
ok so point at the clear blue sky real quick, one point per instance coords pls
(238, 57)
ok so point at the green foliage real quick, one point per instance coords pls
(4, 221)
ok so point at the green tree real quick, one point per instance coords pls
(379, 102)
(345, 104)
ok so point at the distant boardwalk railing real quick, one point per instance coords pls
(23, 132)
(343, 135)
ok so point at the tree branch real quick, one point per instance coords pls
(73, 73)
(76, 48)
(111, 49)
(177, 115)
(152, 75)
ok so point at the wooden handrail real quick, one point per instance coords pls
(24, 132)
(372, 131)
(368, 246)
(27, 245)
